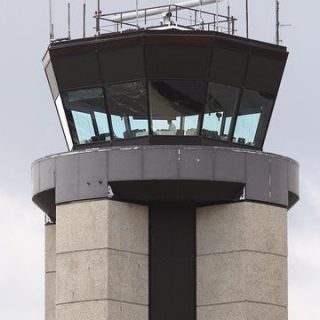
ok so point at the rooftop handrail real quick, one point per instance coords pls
(170, 15)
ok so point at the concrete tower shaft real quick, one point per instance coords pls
(106, 270)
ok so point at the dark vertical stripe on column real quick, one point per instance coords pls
(172, 264)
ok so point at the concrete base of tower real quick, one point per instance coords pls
(102, 261)
(242, 262)
(50, 272)
(229, 261)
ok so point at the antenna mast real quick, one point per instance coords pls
(98, 13)
(228, 10)
(217, 12)
(69, 20)
(278, 22)
(84, 19)
(50, 21)
(247, 18)
(137, 14)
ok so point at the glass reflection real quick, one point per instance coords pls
(64, 122)
(220, 105)
(127, 105)
(86, 115)
(253, 118)
(176, 106)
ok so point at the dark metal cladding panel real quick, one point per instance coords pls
(93, 175)
(258, 177)
(35, 177)
(176, 62)
(195, 165)
(228, 66)
(46, 202)
(67, 178)
(125, 164)
(172, 257)
(122, 64)
(77, 70)
(47, 174)
(293, 177)
(168, 173)
(264, 74)
(160, 163)
(230, 166)
(52, 81)
(279, 181)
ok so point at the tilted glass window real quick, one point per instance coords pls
(175, 106)
(86, 115)
(220, 106)
(127, 104)
(64, 122)
(253, 118)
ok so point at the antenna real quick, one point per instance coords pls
(98, 12)
(228, 13)
(277, 22)
(217, 13)
(137, 14)
(69, 20)
(84, 19)
(247, 18)
(51, 28)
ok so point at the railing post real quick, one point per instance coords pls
(98, 19)
(176, 15)
(145, 18)
(137, 14)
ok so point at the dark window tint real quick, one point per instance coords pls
(253, 118)
(127, 104)
(86, 115)
(176, 106)
(220, 105)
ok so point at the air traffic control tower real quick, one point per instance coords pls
(165, 207)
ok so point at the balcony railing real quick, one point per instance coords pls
(163, 17)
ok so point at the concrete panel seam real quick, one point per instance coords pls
(95, 300)
(244, 250)
(103, 248)
(243, 301)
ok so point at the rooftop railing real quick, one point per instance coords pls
(187, 15)
(163, 17)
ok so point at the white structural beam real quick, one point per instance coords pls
(151, 12)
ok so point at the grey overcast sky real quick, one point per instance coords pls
(30, 129)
